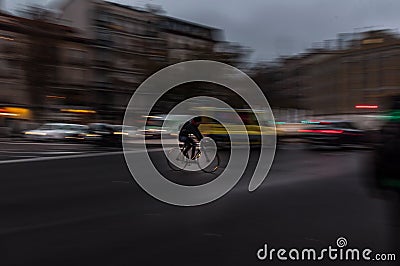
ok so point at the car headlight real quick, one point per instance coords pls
(120, 133)
(35, 133)
(92, 135)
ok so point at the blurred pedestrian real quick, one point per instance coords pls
(387, 167)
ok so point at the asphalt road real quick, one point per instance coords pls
(21, 149)
(85, 209)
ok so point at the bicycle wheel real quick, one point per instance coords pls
(176, 160)
(211, 166)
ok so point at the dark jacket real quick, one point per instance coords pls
(188, 128)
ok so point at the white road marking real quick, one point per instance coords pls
(77, 156)
(43, 143)
(42, 152)
(59, 152)
(22, 156)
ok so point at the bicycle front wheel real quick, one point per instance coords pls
(211, 166)
(176, 160)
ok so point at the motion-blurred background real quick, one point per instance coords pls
(69, 68)
(80, 61)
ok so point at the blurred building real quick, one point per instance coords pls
(129, 44)
(126, 48)
(38, 67)
(332, 78)
(372, 68)
(187, 40)
(13, 43)
(83, 60)
(307, 85)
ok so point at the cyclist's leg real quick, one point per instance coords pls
(186, 148)
(192, 144)
(186, 145)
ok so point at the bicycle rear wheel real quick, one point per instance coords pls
(176, 160)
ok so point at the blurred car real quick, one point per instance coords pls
(252, 128)
(287, 131)
(57, 131)
(120, 130)
(167, 125)
(103, 134)
(153, 128)
(339, 134)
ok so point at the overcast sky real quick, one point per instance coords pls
(277, 27)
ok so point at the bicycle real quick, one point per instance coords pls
(207, 159)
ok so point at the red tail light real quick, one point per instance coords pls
(366, 106)
(332, 131)
(305, 131)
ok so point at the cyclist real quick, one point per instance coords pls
(190, 127)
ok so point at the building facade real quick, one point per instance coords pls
(83, 62)
(364, 70)
(13, 43)
(126, 46)
(187, 40)
(37, 70)
(130, 44)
